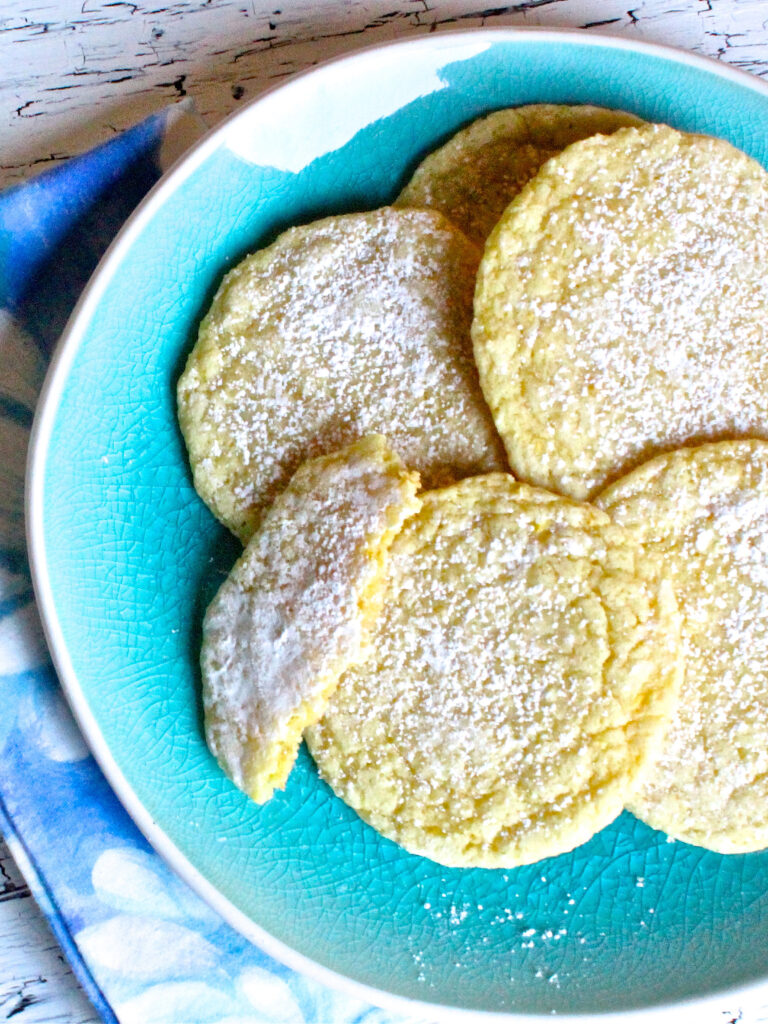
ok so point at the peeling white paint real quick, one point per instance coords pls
(36, 985)
(74, 73)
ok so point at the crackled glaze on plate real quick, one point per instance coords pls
(125, 558)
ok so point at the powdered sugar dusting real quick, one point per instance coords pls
(706, 515)
(476, 174)
(352, 325)
(469, 733)
(291, 612)
(641, 302)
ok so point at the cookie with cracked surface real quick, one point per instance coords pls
(519, 678)
(479, 170)
(701, 514)
(351, 325)
(297, 608)
(622, 306)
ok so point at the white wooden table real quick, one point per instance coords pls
(74, 72)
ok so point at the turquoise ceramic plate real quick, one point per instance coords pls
(126, 556)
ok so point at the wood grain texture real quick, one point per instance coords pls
(36, 984)
(74, 72)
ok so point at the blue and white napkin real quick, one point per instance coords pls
(144, 947)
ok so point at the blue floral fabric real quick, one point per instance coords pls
(144, 947)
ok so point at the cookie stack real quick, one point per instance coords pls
(490, 671)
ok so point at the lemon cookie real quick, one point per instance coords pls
(622, 306)
(519, 677)
(347, 326)
(477, 173)
(701, 514)
(296, 609)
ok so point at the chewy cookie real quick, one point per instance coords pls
(297, 607)
(519, 679)
(622, 306)
(701, 515)
(477, 173)
(351, 325)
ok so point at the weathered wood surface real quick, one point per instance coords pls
(74, 72)
(36, 984)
